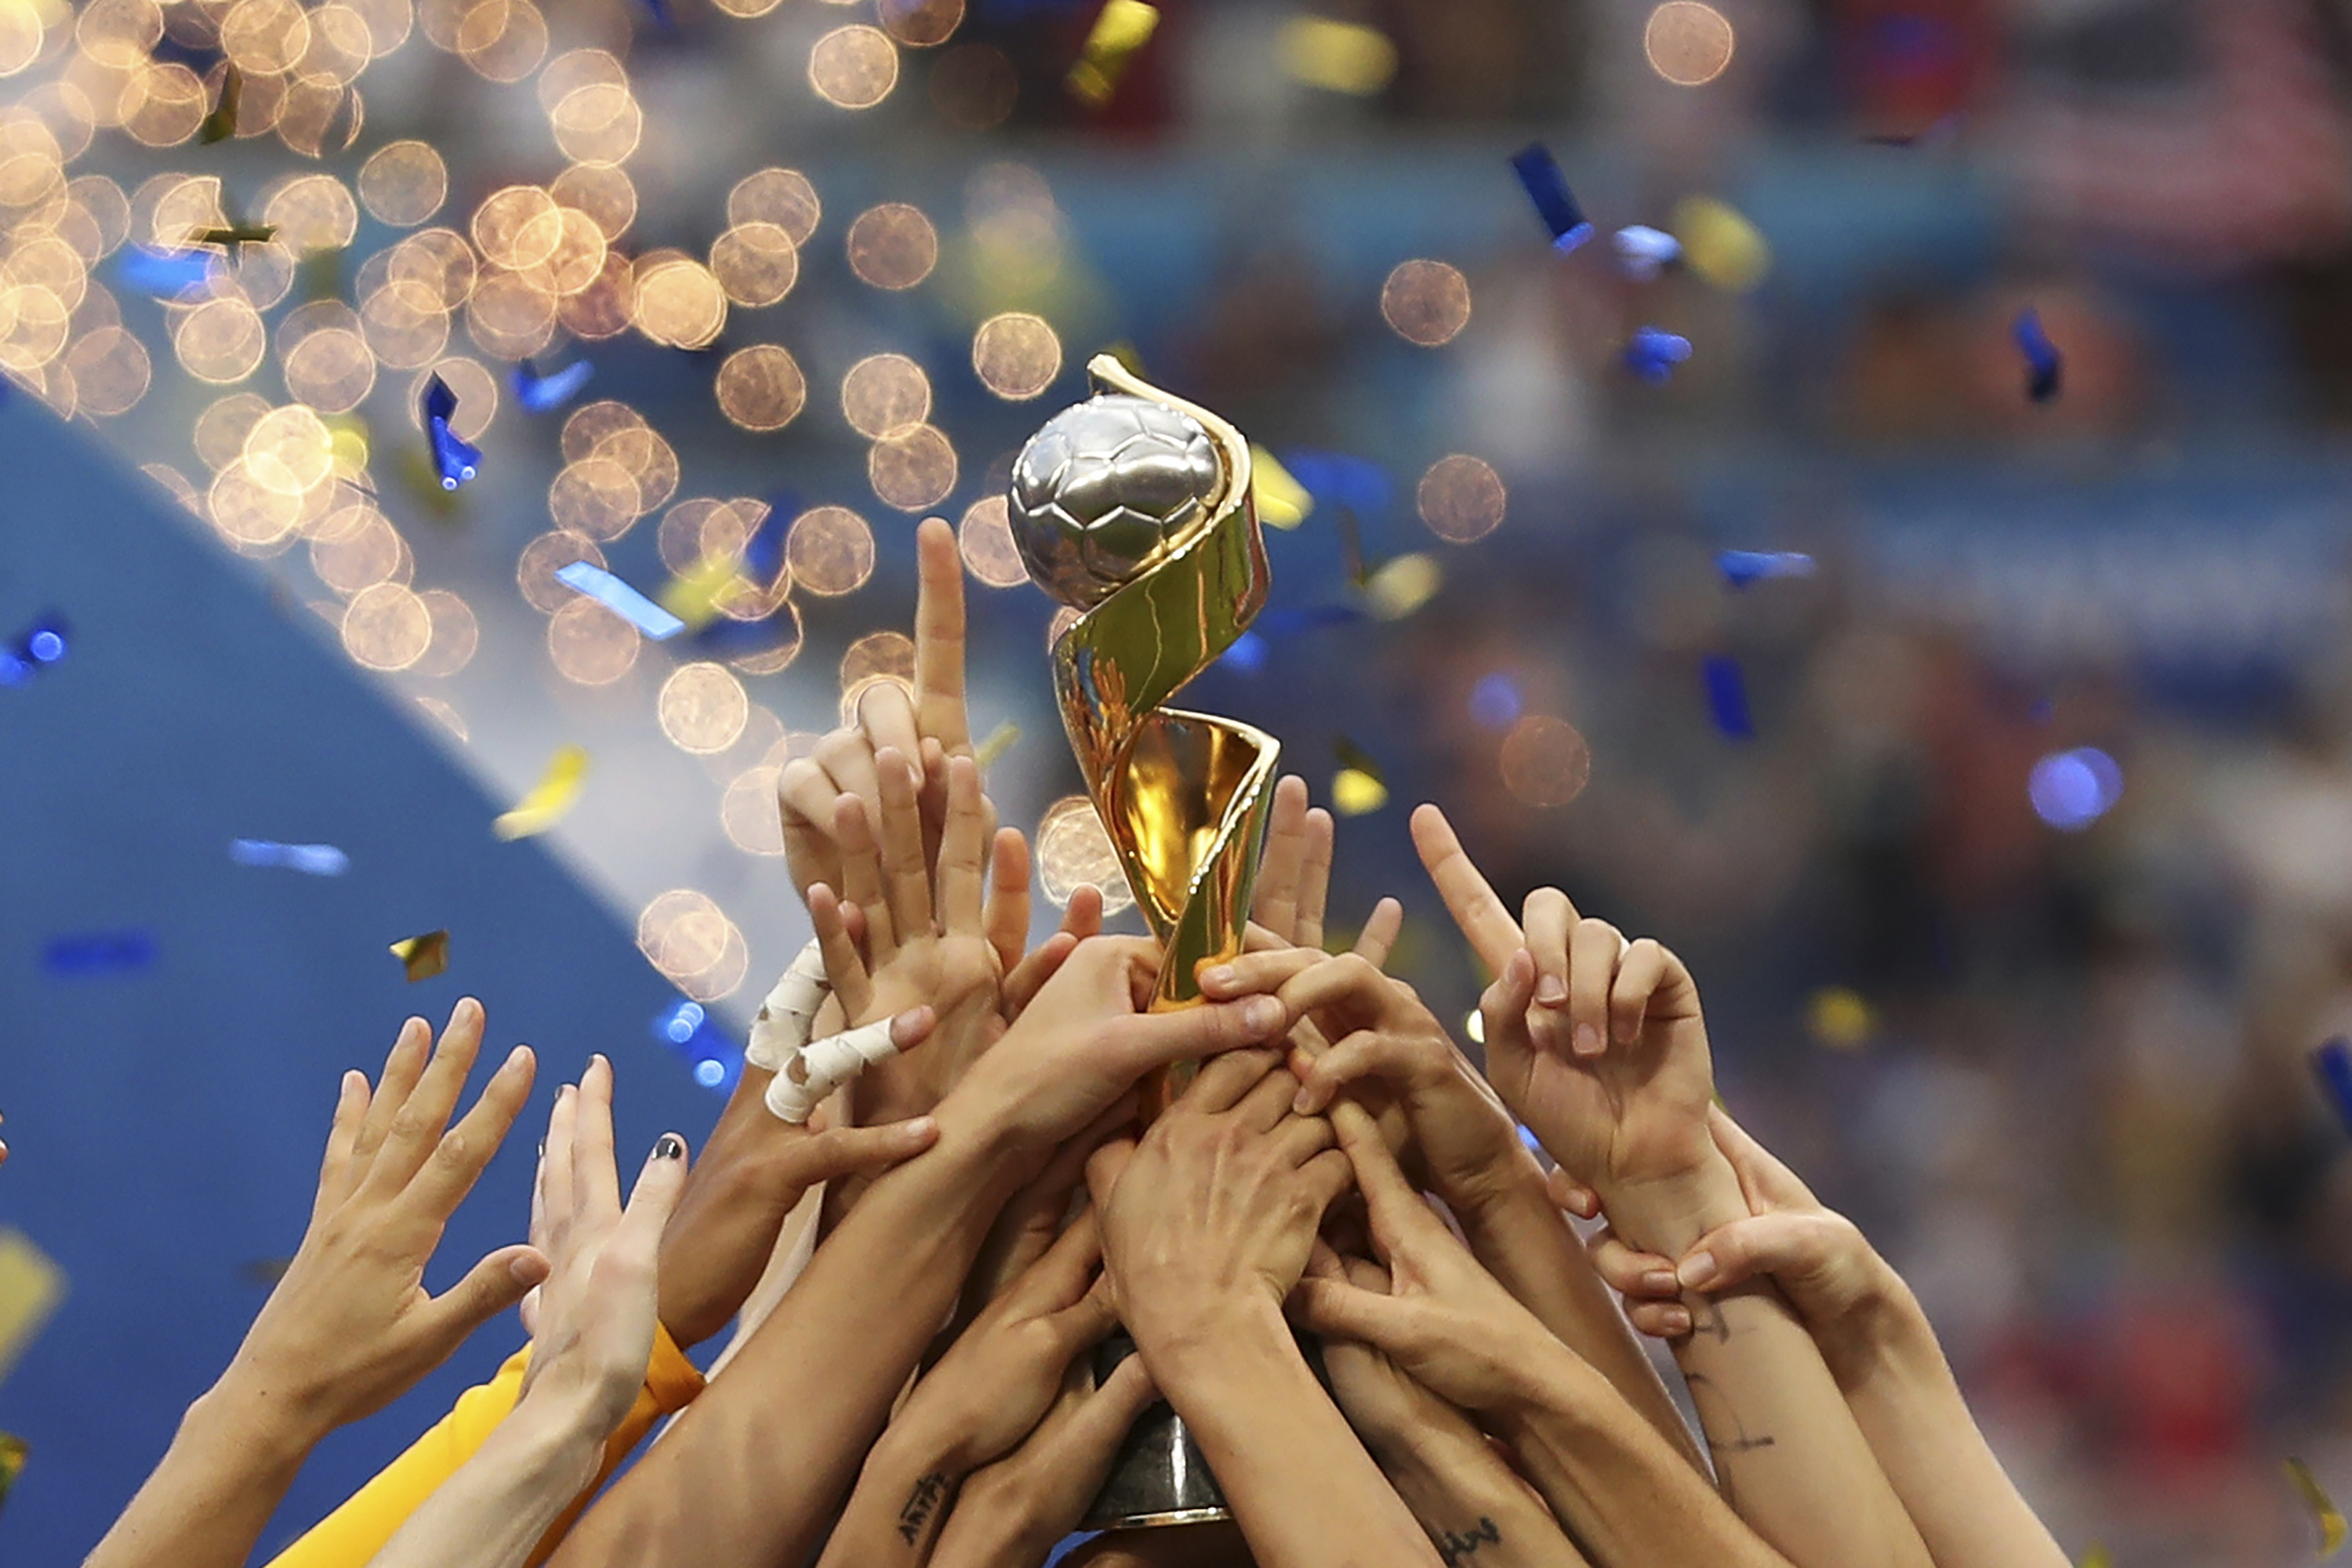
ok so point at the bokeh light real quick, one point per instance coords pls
(761, 387)
(1460, 499)
(883, 393)
(702, 708)
(1425, 302)
(756, 263)
(781, 196)
(875, 658)
(985, 539)
(404, 182)
(678, 302)
(588, 644)
(893, 246)
(1016, 355)
(1687, 43)
(542, 558)
(385, 628)
(748, 813)
(830, 550)
(853, 67)
(1546, 762)
(912, 468)
(2071, 790)
(1074, 851)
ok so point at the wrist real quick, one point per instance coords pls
(555, 1437)
(273, 1421)
(1201, 1341)
(1666, 1214)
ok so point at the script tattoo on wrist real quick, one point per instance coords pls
(922, 1503)
(1455, 1548)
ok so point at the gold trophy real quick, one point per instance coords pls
(1134, 509)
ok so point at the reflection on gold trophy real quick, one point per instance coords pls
(1134, 508)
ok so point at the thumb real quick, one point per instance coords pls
(1502, 1006)
(1143, 1041)
(1399, 1218)
(489, 1288)
(1777, 1242)
(840, 1152)
(1342, 1310)
(1767, 1183)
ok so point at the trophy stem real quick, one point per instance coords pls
(1160, 1475)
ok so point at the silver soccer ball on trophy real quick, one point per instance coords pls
(1102, 487)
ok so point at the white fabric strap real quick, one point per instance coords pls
(783, 1025)
(825, 1066)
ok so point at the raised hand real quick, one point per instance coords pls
(1598, 1046)
(1294, 882)
(925, 727)
(1216, 1207)
(1387, 1043)
(350, 1326)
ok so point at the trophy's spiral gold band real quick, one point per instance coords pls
(1183, 796)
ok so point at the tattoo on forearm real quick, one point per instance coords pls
(1707, 1320)
(1460, 1548)
(1715, 1412)
(922, 1503)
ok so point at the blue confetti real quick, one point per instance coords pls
(44, 644)
(1247, 655)
(455, 458)
(2071, 790)
(163, 274)
(2332, 1063)
(763, 553)
(621, 599)
(15, 667)
(1495, 701)
(543, 394)
(1654, 353)
(1333, 478)
(1555, 203)
(2044, 367)
(659, 11)
(1726, 697)
(100, 952)
(1643, 252)
(316, 859)
(1741, 567)
(712, 1059)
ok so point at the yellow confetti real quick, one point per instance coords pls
(1282, 501)
(1839, 1017)
(1341, 57)
(1358, 788)
(548, 799)
(1120, 29)
(2098, 1556)
(1720, 245)
(999, 741)
(1404, 585)
(13, 1452)
(31, 1286)
(2324, 1512)
(694, 598)
(423, 957)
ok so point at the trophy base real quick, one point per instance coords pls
(1159, 1476)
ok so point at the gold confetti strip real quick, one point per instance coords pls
(13, 1452)
(1120, 29)
(1001, 740)
(1282, 501)
(2098, 1556)
(548, 800)
(31, 1286)
(2323, 1511)
(1840, 1018)
(423, 957)
(1358, 788)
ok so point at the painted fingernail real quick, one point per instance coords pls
(1588, 1040)
(670, 1147)
(1551, 990)
(1263, 1014)
(1696, 1270)
(1659, 1282)
(1219, 978)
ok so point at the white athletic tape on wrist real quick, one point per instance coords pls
(828, 1064)
(782, 1027)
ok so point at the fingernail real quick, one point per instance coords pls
(1659, 1282)
(1303, 1101)
(1219, 978)
(1551, 990)
(1263, 1014)
(1696, 1270)
(921, 1127)
(1676, 1321)
(1588, 1040)
(670, 1147)
(515, 1058)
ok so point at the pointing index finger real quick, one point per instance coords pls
(940, 710)
(1486, 921)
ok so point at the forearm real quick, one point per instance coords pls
(1911, 1411)
(225, 1474)
(902, 1498)
(1474, 1510)
(1628, 1494)
(751, 1471)
(1788, 1453)
(990, 1532)
(1526, 1243)
(494, 1512)
(1302, 1488)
